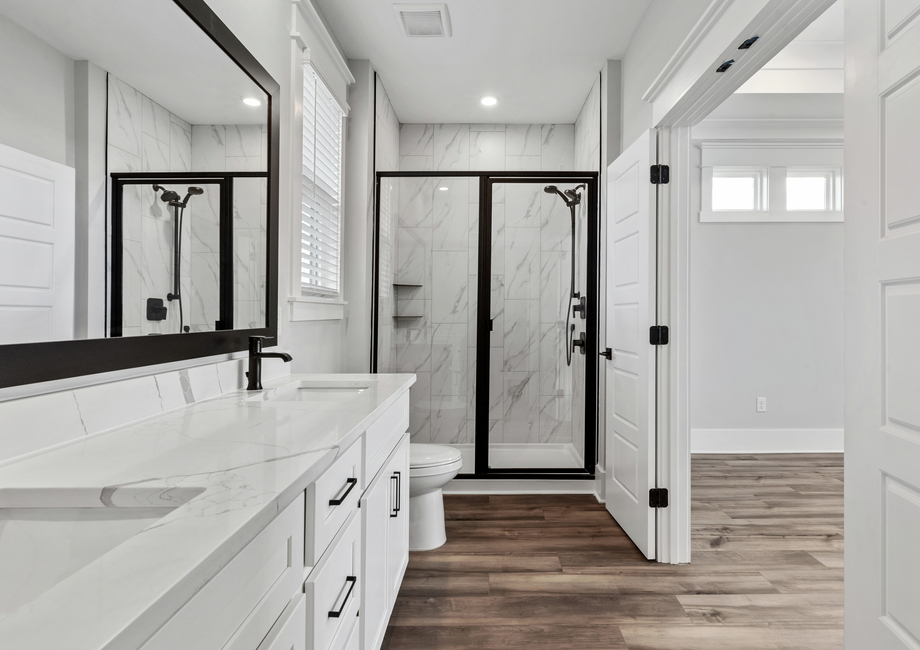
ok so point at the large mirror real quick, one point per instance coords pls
(138, 180)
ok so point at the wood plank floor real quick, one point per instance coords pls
(554, 572)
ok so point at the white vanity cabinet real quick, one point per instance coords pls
(385, 518)
(324, 574)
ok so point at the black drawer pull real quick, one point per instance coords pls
(398, 499)
(353, 580)
(352, 482)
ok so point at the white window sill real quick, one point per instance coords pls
(308, 308)
(759, 216)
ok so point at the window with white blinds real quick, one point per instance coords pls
(320, 248)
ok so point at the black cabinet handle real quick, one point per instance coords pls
(398, 506)
(353, 580)
(352, 482)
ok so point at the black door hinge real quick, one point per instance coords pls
(660, 174)
(658, 335)
(658, 498)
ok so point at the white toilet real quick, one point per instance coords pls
(431, 467)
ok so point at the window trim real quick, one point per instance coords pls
(775, 161)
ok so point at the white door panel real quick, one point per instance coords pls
(882, 224)
(37, 231)
(630, 412)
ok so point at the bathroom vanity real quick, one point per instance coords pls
(259, 519)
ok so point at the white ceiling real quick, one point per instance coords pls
(151, 45)
(539, 57)
(812, 63)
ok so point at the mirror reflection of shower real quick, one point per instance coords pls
(571, 198)
(171, 198)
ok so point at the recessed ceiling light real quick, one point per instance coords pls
(489, 100)
(251, 101)
(443, 189)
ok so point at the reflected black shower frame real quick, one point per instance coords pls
(224, 180)
(484, 269)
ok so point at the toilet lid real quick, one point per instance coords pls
(421, 455)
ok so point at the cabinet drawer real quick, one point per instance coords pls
(237, 608)
(289, 631)
(383, 435)
(333, 588)
(330, 500)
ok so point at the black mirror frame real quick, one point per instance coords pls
(30, 363)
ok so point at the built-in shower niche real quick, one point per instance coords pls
(188, 253)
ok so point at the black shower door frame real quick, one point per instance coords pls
(224, 180)
(483, 324)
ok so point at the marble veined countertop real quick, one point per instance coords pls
(232, 462)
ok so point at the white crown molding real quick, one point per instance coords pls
(702, 27)
(309, 14)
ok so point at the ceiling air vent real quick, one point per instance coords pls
(424, 19)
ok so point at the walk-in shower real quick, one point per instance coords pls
(171, 198)
(484, 283)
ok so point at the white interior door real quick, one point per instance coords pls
(882, 258)
(37, 229)
(631, 276)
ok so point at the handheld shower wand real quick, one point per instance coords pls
(171, 198)
(571, 198)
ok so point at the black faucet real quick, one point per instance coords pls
(255, 361)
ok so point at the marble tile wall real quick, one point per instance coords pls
(231, 148)
(144, 136)
(437, 247)
(35, 423)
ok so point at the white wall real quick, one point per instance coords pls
(766, 310)
(661, 32)
(38, 117)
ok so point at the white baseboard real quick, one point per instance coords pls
(502, 486)
(600, 483)
(765, 441)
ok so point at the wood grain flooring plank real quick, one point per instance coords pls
(488, 562)
(504, 637)
(513, 584)
(729, 638)
(548, 610)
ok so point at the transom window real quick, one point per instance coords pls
(771, 181)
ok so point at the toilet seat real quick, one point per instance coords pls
(423, 456)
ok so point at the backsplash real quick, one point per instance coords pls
(35, 423)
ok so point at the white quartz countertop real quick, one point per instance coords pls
(242, 459)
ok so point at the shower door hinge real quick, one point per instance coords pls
(658, 498)
(658, 335)
(661, 174)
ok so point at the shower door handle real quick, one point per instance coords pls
(607, 354)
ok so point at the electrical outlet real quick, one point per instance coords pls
(761, 404)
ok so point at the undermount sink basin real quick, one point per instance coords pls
(316, 392)
(44, 538)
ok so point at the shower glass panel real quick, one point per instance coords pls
(426, 286)
(537, 401)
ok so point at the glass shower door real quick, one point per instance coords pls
(536, 389)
